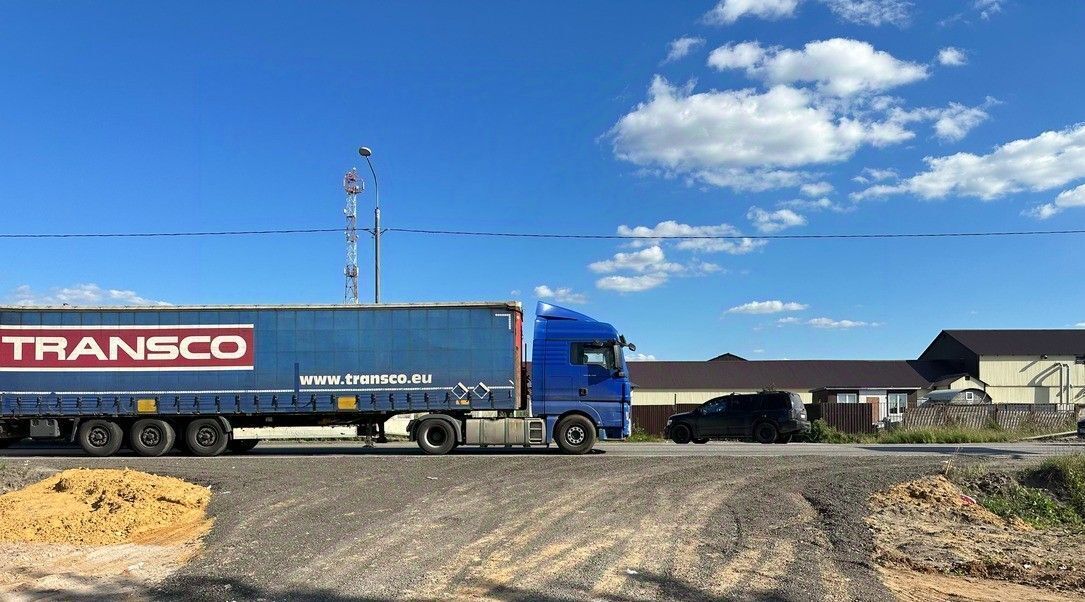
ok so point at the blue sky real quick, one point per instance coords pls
(742, 116)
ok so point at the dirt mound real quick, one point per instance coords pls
(929, 526)
(940, 495)
(103, 506)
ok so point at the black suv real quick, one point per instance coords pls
(765, 417)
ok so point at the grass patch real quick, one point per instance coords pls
(821, 432)
(1050, 494)
(948, 435)
(639, 435)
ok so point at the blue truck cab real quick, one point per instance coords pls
(580, 381)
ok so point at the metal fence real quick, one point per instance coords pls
(1018, 417)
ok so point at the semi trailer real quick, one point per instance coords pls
(208, 379)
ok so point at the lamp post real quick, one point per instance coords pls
(366, 152)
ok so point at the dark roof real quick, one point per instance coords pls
(728, 357)
(788, 374)
(1021, 342)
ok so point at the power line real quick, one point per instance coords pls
(546, 235)
(738, 236)
(175, 234)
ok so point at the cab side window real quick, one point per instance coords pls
(715, 406)
(588, 354)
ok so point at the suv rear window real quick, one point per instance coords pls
(771, 401)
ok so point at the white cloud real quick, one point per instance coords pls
(838, 66)
(80, 294)
(742, 139)
(987, 8)
(816, 189)
(649, 259)
(864, 12)
(652, 263)
(742, 55)
(957, 120)
(681, 47)
(640, 357)
(632, 284)
(822, 204)
(1080, 325)
(561, 294)
(729, 11)
(1066, 199)
(1047, 161)
(952, 57)
(768, 222)
(774, 306)
(875, 175)
(738, 245)
(830, 323)
(872, 12)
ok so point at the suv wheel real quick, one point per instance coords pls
(700, 441)
(765, 432)
(681, 434)
(783, 438)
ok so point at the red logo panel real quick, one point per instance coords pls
(126, 348)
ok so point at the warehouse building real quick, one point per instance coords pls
(1003, 366)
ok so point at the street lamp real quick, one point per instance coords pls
(366, 152)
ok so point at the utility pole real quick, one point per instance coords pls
(376, 231)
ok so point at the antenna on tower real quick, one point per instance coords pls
(352, 186)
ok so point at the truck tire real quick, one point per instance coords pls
(100, 437)
(205, 437)
(240, 446)
(436, 437)
(575, 434)
(151, 437)
(681, 434)
(765, 432)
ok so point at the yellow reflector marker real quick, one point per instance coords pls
(348, 402)
(146, 406)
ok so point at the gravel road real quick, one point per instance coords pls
(607, 526)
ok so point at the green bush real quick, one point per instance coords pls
(1064, 476)
(821, 432)
(639, 435)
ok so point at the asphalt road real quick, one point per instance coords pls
(635, 522)
(663, 449)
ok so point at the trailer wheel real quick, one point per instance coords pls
(205, 437)
(151, 437)
(575, 434)
(240, 446)
(436, 437)
(100, 437)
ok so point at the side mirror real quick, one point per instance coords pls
(632, 347)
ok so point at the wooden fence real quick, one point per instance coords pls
(854, 418)
(652, 419)
(1016, 417)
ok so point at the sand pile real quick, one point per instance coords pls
(103, 506)
(939, 495)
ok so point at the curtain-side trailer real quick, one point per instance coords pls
(205, 379)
